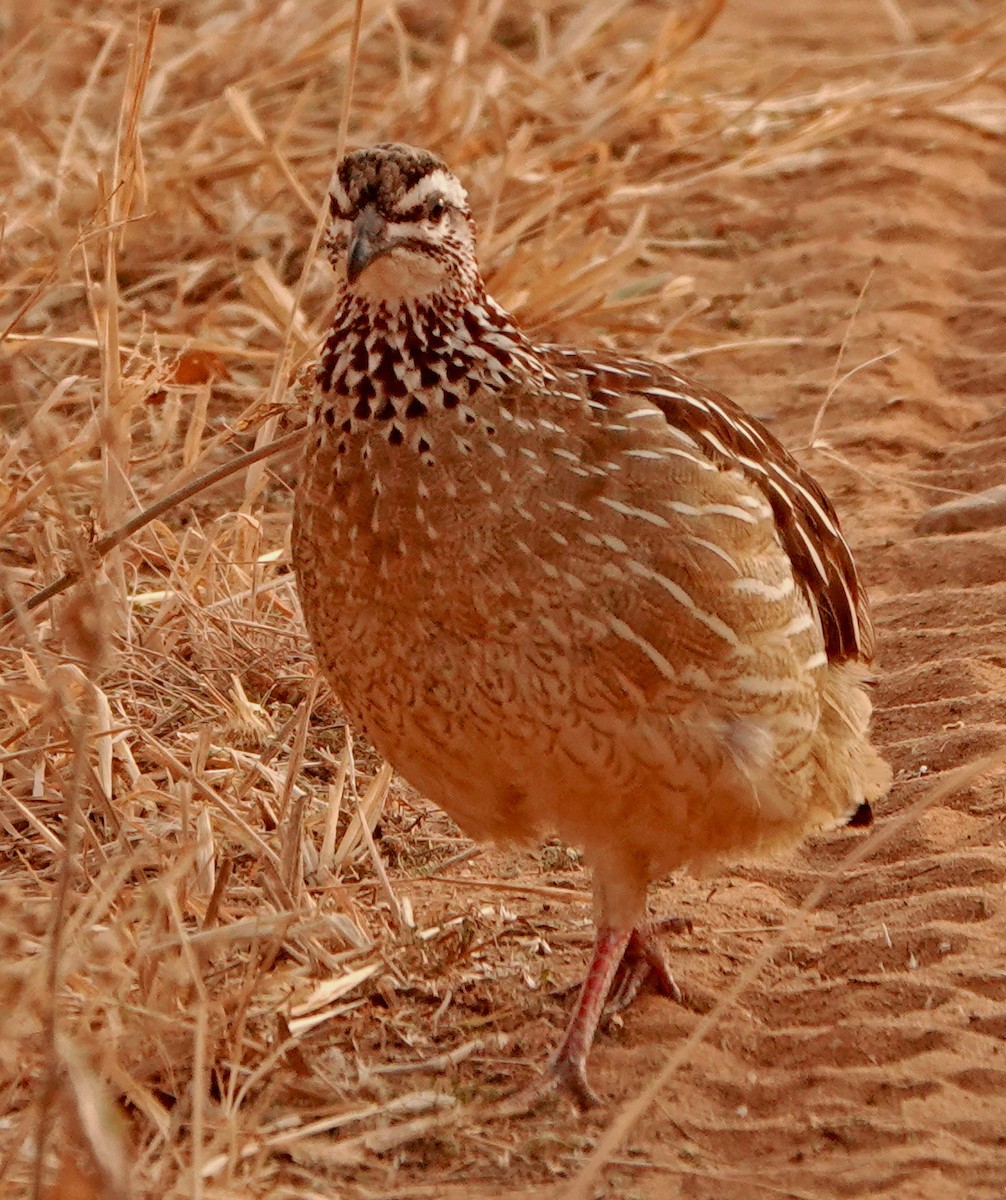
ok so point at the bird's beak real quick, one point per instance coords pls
(366, 243)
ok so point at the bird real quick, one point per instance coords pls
(566, 591)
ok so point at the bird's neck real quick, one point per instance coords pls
(405, 350)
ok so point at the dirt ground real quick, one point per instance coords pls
(851, 294)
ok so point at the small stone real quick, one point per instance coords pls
(983, 510)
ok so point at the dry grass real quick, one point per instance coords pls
(195, 915)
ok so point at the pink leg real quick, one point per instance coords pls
(624, 959)
(568, 1069)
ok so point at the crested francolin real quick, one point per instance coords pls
(564, 590)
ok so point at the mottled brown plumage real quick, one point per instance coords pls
(564, 590)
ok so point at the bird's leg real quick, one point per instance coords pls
(624, 959)
(645, 960)
(568, 1069)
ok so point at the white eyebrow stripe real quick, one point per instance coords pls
(437, 181)
(338, 194)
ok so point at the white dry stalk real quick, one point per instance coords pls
(336, 791)
(368, 812)
(205, 875)
(228, 179)
(314, 1008)
(288, 1132)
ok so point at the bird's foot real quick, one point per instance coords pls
(623, 961)
(564, 1075)
(645, 961)
(567, 1072)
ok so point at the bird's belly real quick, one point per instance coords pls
(518, 723)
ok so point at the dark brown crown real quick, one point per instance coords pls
(381, 174)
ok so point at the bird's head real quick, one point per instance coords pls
(400, 228)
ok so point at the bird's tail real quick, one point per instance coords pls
(851, 775)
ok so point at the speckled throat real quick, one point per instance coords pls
(387, 367)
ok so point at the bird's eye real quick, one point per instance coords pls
(435, 209)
